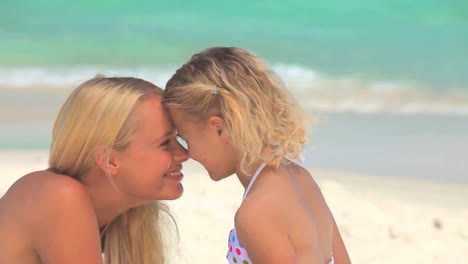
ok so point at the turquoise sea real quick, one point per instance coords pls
(424, 43)
(387, 74)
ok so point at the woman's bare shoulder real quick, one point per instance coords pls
(45, 191)
(43, 184)
(48, 209)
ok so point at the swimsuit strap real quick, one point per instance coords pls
(260, 168)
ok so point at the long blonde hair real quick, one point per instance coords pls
(99, 113)
(262, 119)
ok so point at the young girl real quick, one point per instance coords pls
(113, 156)
(237, 118)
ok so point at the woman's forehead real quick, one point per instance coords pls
(151, 115)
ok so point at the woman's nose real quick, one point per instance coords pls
(179, 152)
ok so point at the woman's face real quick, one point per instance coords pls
(150, 167)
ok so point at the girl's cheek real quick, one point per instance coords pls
(190, 152)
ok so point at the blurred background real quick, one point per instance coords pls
(387, 79)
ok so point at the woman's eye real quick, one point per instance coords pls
(165, 143)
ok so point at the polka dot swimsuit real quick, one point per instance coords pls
(236, 253)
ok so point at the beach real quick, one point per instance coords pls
(385, 80)
(382, 219)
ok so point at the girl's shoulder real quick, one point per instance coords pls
(262, 203)
(279, 191)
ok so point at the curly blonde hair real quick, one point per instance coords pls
(262, 119)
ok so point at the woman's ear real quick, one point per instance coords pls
(217, 123)
(106, 160)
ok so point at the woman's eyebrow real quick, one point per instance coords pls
(168, 134)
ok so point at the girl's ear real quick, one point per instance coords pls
(217, 123)
(106, 160)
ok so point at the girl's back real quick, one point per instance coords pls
(292, 197)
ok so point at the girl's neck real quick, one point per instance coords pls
(246, 178)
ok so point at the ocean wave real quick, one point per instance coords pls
(315, 90)
(65, 77)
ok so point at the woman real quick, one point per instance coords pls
(113, 155)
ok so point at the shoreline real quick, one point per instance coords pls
(408, 147)
(17, 163)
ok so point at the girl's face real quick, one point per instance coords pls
(206, 144)
(150, 167)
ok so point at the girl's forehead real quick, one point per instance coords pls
(179, 117)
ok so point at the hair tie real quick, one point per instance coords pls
(214, 90)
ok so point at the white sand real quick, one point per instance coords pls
(383, 220)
